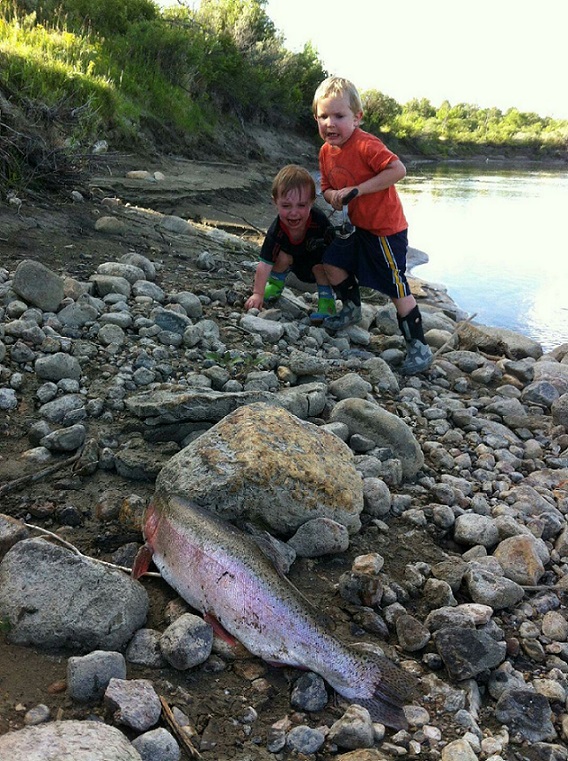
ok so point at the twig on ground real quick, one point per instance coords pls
(178, 730)
(154, 574)
(455, 332)
(78, 552)
(543, 587)
(243, 219)
(31, 477)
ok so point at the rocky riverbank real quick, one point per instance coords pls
(432, 525)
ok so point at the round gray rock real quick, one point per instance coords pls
(79, 740)
(382, 427)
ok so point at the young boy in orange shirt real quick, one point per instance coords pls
(295, 242)
(375, 255)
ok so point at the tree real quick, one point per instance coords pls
(244, 21)
(380, 110)
(420, 107)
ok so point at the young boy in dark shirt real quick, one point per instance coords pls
(295, 242)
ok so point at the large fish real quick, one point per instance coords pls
(221, 572)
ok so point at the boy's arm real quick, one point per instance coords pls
(390, 175)
(263, 270)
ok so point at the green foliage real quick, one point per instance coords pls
(238, 365)
(380, 111)
(462, 129)
(173, 51)
(52, 81)
(251, 73)
(107, 17)
(244, 21)
(52, 99)
(60, 73)
(183, 67)
(81, 69)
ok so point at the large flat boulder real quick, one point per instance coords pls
(261, 462)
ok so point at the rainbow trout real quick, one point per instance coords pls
(221, 572)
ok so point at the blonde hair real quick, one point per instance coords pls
(293, 177)
(336, 87)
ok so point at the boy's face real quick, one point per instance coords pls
(336, 121)
(294, 209)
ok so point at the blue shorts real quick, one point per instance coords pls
(377, 262)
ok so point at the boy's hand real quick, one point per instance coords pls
(335, 197)
(254, 302)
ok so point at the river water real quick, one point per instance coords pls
(498, 241)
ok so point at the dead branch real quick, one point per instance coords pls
(178, 730)
(78, 552)
(243, 219)
(455, 333)
(32, 477)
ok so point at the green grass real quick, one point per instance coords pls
(64, 69)
(70, 88)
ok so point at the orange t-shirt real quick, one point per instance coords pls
(363, 156)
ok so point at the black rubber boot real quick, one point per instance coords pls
(418, 353)
(348, 290)
(411, 325)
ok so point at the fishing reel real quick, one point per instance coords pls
(343, 231)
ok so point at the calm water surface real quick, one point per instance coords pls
(498, 241)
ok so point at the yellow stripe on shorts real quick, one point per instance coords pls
(392, 265)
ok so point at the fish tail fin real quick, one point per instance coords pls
(392, 688)
(141, 561)
(385, 713)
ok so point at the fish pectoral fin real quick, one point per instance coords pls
(224, 642)
(142, 561)
(282, 665)
(219, 630)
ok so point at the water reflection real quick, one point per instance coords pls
(498, 240)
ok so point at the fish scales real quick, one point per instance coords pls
(220, 571)
(232, 580)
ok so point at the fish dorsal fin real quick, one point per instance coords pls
(274, 550)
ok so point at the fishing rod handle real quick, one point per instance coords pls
(350, 196)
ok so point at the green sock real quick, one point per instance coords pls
(275, 285)
(326, 300)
